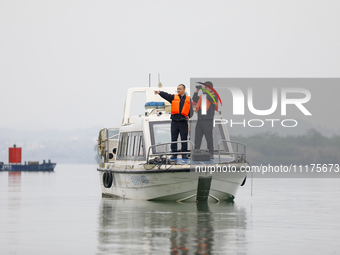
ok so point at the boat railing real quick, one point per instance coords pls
(166, 153)
(238, 154)
(238, 151)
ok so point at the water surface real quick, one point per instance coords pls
(63, 213)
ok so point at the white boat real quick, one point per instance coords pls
(136, 165)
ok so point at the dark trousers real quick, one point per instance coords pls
(179, 127)
(204, 127)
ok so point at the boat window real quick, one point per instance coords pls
(119, 147)
(134, 145)
(131, 143)
(160, 133)
(127, 146)
(131, 146)
(122, 145)
(113, 133)
(141, 148)
(137, 146)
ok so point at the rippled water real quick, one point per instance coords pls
(63, 213)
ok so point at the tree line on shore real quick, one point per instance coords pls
(310, 148)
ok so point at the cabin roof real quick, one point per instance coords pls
(150, 97)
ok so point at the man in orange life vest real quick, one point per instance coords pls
(181, 111)
(205, 122)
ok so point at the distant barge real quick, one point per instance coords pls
(15, 163)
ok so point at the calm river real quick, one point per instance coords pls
(63, 213)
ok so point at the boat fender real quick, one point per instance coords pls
(107, 179)
(244, 181)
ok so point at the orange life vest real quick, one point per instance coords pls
(199, 103)
(175, 106)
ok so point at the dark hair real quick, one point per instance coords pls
(182, 85)
(209, 83)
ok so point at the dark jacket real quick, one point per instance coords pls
(169, 97)
(211, 111)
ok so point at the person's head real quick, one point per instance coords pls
(210, 84)
(181, 89)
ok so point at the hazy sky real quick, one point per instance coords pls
(68, 64)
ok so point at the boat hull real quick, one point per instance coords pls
(46, 167)
(181, 185)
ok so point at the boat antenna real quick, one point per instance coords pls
(159, 81)
(149, 80)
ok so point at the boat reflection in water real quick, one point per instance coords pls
(13, 202)
(14, 181)
(127, 226)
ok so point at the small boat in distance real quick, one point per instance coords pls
(31, 166)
